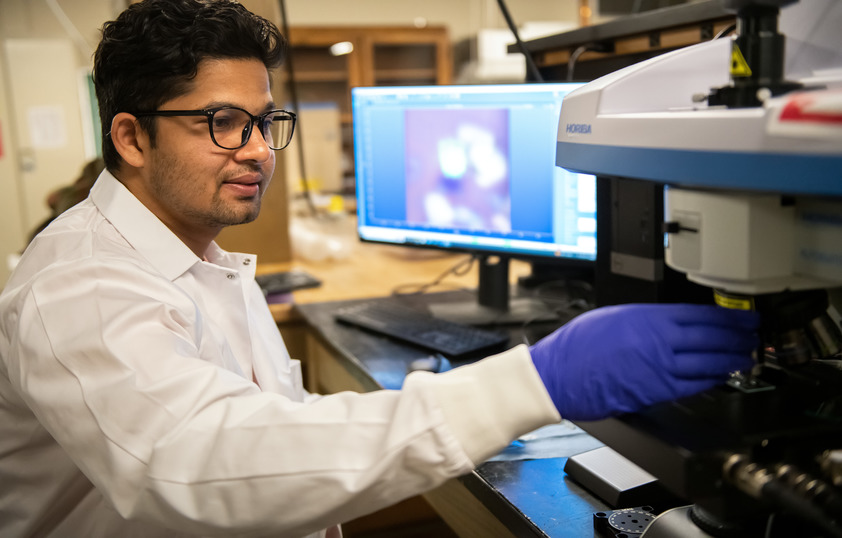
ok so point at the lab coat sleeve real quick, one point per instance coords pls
(111, 367)
(486, 402)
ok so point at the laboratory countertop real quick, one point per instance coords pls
(374, 270)
(528, 494)
(525, 487)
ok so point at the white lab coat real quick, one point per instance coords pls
(129, 407)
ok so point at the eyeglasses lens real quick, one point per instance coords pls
(231, 128)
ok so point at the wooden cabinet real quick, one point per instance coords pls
(381, 56)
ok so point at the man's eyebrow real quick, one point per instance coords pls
(219, 104)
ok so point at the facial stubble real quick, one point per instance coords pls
(173, 184)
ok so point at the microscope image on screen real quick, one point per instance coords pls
(457, 171)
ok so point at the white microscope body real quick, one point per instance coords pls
(726, 168)
(750, 156)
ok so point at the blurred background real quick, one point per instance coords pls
(49, 128)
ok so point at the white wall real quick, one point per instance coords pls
(12, 231)
(462, 17)
(50, 83)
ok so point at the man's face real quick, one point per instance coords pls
(195, 187)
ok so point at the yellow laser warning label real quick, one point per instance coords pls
(733, 302)
(739, 65)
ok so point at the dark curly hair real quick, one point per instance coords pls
(152, 51)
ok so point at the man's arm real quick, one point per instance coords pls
(114, 369)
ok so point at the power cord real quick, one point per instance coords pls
(530, 62)
(725, 31)
(459, 269)
(574, 57)
(293, 92)
(592, 47)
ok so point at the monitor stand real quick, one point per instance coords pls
(494, 304)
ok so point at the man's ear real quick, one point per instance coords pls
(129, 139)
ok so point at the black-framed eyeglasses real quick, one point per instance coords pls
(230, 127)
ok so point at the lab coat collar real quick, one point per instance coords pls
(141, 228)
(245, 264)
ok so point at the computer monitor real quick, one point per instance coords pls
(472, 168)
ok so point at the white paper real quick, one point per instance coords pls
(47, 127)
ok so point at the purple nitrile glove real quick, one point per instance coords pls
(620, 359)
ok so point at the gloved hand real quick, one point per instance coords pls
(619, 359)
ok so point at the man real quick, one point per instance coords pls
(145, 390)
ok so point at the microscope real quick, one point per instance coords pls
(719, 173)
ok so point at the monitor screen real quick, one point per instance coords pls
(470, 168)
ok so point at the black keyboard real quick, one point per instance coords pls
(419, 328)
(286, 281)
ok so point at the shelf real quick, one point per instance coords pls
(321, 76)
(389, 53)
(409, 74)
(629, 39)
(381, 56)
